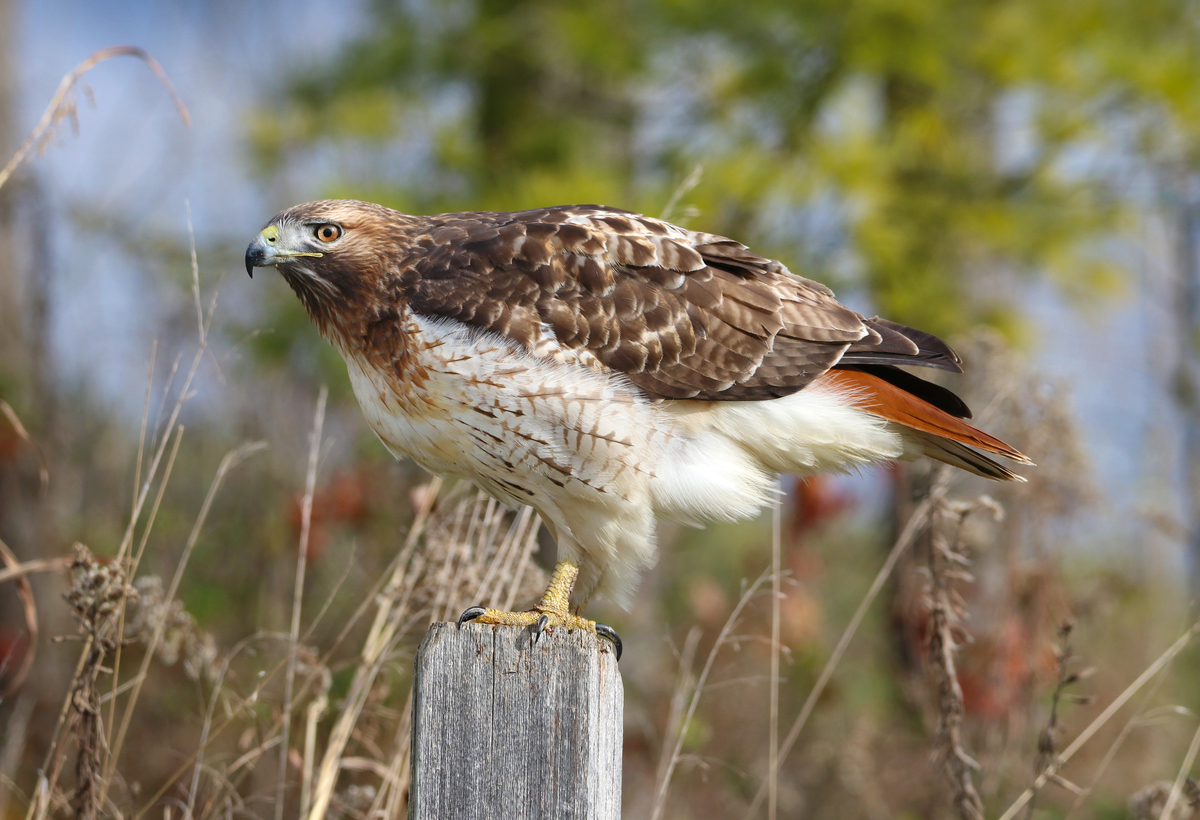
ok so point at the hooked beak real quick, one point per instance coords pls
(265, 251)
(261, 252)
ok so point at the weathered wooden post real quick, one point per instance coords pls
(505, 728)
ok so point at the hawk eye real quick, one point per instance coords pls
(327, 233)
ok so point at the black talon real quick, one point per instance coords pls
(470, 614)
(606, 631)
(541, 627)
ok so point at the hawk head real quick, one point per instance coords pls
(332, 252)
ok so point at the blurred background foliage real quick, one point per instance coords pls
(950, 164)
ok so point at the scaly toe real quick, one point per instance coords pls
(487, 615)
(541, 620)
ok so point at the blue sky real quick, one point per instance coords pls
(134, 157)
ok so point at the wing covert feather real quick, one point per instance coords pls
(684, 315)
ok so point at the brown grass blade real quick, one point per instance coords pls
(18, 572)
(23, 434)
(60, 108)
(310, 485)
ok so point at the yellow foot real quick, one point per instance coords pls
(542, 619)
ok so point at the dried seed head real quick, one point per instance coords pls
(180, 636)
(97, 591)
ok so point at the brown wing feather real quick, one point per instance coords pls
(685, 315)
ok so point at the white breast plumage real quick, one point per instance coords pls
(587, 450)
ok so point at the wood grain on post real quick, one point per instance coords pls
(506, 728)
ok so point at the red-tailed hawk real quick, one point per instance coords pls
(608, 368)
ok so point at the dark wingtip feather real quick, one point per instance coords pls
(900, 344)
(931, 360)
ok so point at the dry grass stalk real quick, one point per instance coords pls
(947, 564)
(46, 785)
(316, 710)
(773, 706)
(310, 484)
(392, 605)
(17, 572)
(317, 679)
(915, 524)
(1140, 717)
(62, 108)
(96, 594)
(1048, 738)
(681, 190)
(110, 766)
(23, 434)
(1184, 787)
(141, 490)
(395, 777)
(164, 433)
(685, 684)
(15, 735)
(231, 460)
(36, 566)
(222, 670)
(463, 545)
(1147, 674)
(675, 741)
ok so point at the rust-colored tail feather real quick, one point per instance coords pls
(939, 434)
